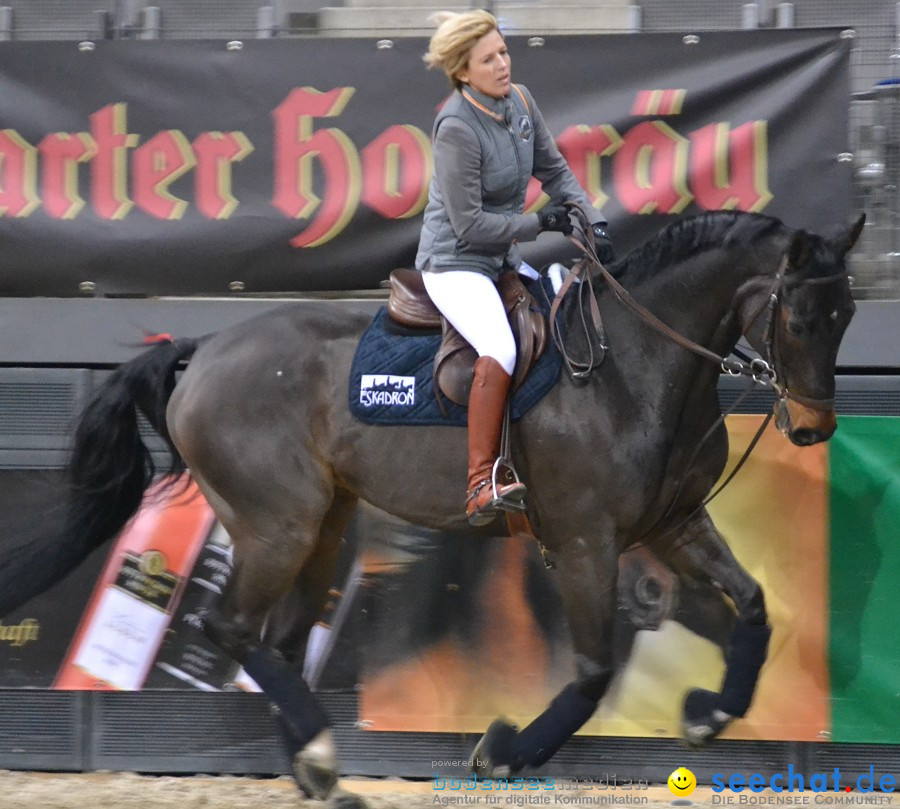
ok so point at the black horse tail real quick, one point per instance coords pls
(108, 471)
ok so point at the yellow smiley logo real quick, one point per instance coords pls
(682, 782)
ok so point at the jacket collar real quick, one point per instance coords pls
(500, 109)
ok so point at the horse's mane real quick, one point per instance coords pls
(690, 236)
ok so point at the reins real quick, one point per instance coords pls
(770, 305)
(757, 369)
(578, 370)
(760, 371)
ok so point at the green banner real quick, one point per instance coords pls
(864, 641)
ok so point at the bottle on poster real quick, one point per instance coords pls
(186, 654)
(133, 601)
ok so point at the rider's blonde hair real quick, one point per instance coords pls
(452, 42)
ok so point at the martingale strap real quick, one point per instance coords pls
(731, 475)
(734, 367)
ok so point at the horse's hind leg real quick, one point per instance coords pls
(270, 556)
(313, 763)
(702, 553)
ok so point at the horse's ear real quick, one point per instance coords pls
(843, 238)
(799, 251)
(852, 234)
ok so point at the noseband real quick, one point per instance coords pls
(765, 371)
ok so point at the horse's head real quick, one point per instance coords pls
(796, 322)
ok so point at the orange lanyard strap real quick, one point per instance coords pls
(479, 105)
(522, 96)
(497, 117)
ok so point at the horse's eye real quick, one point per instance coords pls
(795, 327)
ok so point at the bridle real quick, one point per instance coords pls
(760, 371)
(772, 306)
(763, 371)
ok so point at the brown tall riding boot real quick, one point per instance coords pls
(486, 403)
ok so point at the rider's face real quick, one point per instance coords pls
(488, 70)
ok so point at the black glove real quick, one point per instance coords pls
(603, 245)
(554, 216)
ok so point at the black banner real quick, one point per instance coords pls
(201, 167)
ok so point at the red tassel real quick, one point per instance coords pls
(156, 339)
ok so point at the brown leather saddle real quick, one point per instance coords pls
(410, 306)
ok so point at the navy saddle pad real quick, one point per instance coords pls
(391, 378)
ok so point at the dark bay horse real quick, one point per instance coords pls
(261, 420)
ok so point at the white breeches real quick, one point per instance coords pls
(471, 302)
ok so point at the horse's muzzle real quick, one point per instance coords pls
(803, 425)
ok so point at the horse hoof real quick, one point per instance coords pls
(315, 767)
(493, 756)
(345, 800)
(701, 721)
(315, 781)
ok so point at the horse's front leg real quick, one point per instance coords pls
(701, 552)
(587, 580)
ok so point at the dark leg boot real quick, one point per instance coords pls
(487, 401)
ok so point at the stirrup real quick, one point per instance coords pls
(486, 514)
(507, 503)
(488, 511)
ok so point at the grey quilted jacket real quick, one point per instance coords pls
(485, 152)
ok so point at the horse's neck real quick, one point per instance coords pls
(697, 296)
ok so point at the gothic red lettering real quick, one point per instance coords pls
(396, 172)
(109, 166)
(729, 169)
(650, 169)
(583, 146)
(215, 153)
(156, 165)
(61, 153)
(18, 166)
(298, 150)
